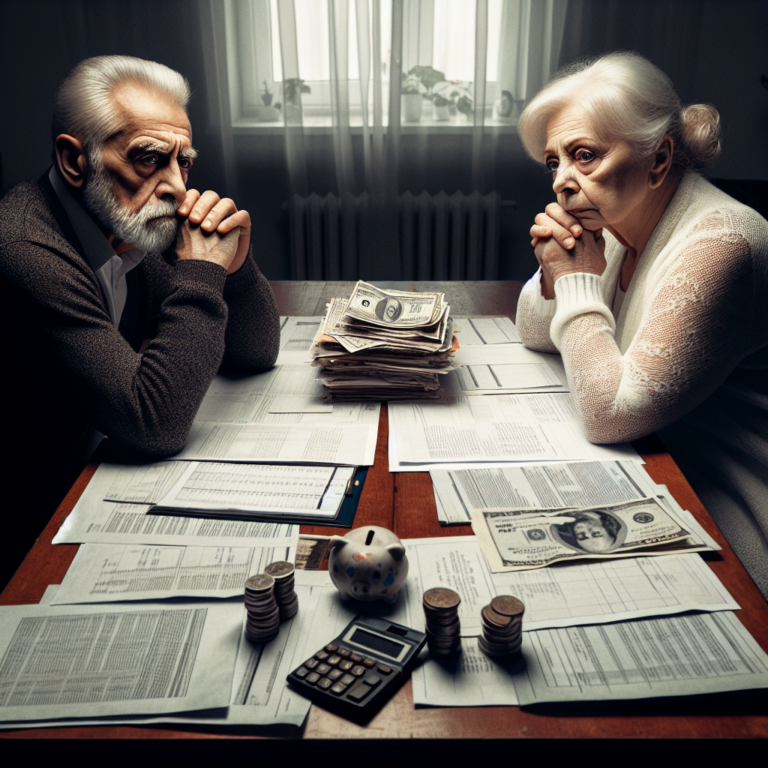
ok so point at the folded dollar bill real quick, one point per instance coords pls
(516, 539)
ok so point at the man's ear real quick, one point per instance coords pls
(71, 159)
(662, 162)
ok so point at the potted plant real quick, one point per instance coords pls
(411, 98)
(266, 112)
(293, 87)
(441, 107)
(451, 98)
(266, 96)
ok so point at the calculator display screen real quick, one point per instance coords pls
(376, 643)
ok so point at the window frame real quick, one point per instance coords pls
(249, 65)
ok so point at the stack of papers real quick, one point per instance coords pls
(384, 345)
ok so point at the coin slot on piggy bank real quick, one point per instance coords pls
(368, 563)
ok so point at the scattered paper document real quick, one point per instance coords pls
(481, 331)
(96, 521)
(350, 444)
(89, 661)
(495, 370)
(578, 593)
(575, 484)
(278, 490)
(103, 573)
(670, 656)
(480, 431)
(298, 333)
(471, 680)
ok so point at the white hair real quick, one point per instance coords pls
(84, 107)
(625, 97)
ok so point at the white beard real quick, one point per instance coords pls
(153, 228)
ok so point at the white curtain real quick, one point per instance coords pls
(526, 55)
(528, 50)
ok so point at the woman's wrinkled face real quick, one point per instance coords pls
(600, 181)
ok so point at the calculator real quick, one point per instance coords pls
(356, 674)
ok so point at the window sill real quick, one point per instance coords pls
(315, 122)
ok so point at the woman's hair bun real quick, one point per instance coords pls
(700, 129)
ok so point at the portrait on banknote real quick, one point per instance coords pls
(388, 309)
(594, 532)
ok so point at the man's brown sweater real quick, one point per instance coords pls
(68, 368)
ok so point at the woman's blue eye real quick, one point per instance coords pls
(585, 156)
(551, 166)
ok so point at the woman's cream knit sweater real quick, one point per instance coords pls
(688, 349)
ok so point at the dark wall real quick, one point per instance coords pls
(41, 40)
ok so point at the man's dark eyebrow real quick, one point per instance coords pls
(161, 148)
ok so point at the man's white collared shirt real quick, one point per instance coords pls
(109, 268)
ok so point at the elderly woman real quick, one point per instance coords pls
(653, 284)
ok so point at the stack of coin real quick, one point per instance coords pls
(286, 597)
(502, 626)
(441, 610)
(263, 621)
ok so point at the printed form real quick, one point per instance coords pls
(90, 661)
(479, 331)
(103, 573)
(504, 369)
(257, 692)
(561, 596)
(298, 333)
(96, 521)
(344, 444)
(574, 484)
(669, 656)
(217, 486)
(482, 431)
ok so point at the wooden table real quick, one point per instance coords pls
(405, 503)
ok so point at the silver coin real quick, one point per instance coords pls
(262, 582)
(294, 600)
(262, 615)
(260, 600)
(280, 570)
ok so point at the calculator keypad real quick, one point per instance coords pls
(343, 673)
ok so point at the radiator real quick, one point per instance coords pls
(440, 237)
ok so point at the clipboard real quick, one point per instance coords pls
(343, 519)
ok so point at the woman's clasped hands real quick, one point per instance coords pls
(563, 247)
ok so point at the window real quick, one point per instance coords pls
(436, 33)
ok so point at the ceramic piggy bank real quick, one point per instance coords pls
(368, 564)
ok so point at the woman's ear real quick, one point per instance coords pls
(71, 160)
(662, 162)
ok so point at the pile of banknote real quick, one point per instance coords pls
(385, 345)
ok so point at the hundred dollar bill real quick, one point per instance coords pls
(398, 309)
(517, 540)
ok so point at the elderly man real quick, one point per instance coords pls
(122, 291)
